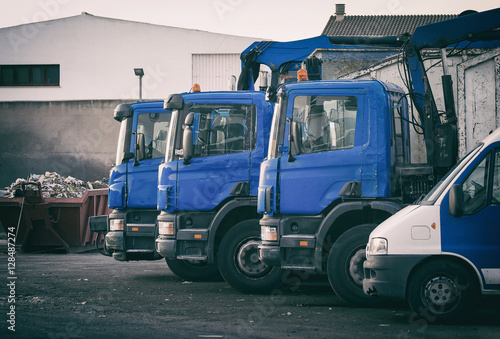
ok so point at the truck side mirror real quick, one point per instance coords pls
(189, 120)
(271, 94)
(456, 198)
(174, 101)
(140, 149)
(187, 139)
(295, 138)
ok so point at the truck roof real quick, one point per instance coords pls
(349, 83)
(224, 94)
(147, 104)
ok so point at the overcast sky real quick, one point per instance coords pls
(269, 19)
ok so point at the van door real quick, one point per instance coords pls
(476, 234)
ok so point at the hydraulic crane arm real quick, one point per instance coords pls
(275, 55)
(469, 28)
(472, 30)
(278, 56)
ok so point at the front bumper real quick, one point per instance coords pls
(127, 247)
(387, 275)
(166, 247)
(115, 240)
(187, 244)
(190, 239)
(296, 247)
(270, 255)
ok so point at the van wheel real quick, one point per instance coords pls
(239, 261)
(193, 270)
(441, 290)
(345, 266)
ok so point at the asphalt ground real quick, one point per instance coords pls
(83, 295)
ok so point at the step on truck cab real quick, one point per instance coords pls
(338, 165)
(443, 252)
(133, 181)
(207, 188)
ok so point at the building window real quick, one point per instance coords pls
(29, 75)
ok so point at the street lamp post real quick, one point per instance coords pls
(140, 73)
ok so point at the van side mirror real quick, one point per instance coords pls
(187, 139)
(456, 198)
(140, 149)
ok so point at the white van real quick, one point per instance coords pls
(443, 252)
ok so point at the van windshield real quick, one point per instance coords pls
(435, 193)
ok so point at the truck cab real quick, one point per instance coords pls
(443, 252)
(207, 188)
(338, 165)
(133, 181)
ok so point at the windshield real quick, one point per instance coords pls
(432, 196)
(169, 153)
(277, 128)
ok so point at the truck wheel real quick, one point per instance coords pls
(194, 270)
(345, 266)
(239, 261)
(441, 290)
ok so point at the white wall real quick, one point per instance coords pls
(97, 57)
(213, 71)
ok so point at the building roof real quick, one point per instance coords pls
(379, 25)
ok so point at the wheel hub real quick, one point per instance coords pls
(356, 266)
(441, 292)
(249, 261)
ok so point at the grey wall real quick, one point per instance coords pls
(76, 138)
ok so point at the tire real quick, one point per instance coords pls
(441, 290)
(239, 261)
(345, 266)
(194, 270)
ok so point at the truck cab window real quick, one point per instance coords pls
(475, 188)
(223, 130)
(154, 126)
(326, 123)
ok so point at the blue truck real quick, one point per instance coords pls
(207, 188)
(130, 229)
(338, 162)
(338, 157)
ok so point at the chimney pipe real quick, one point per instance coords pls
(339, 12)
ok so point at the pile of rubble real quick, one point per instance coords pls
(53, 185)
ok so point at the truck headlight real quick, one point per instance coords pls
(268, 233)
(377, 246)
(116, 224)
(166, 227)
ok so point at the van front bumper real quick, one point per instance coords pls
(387, 275)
